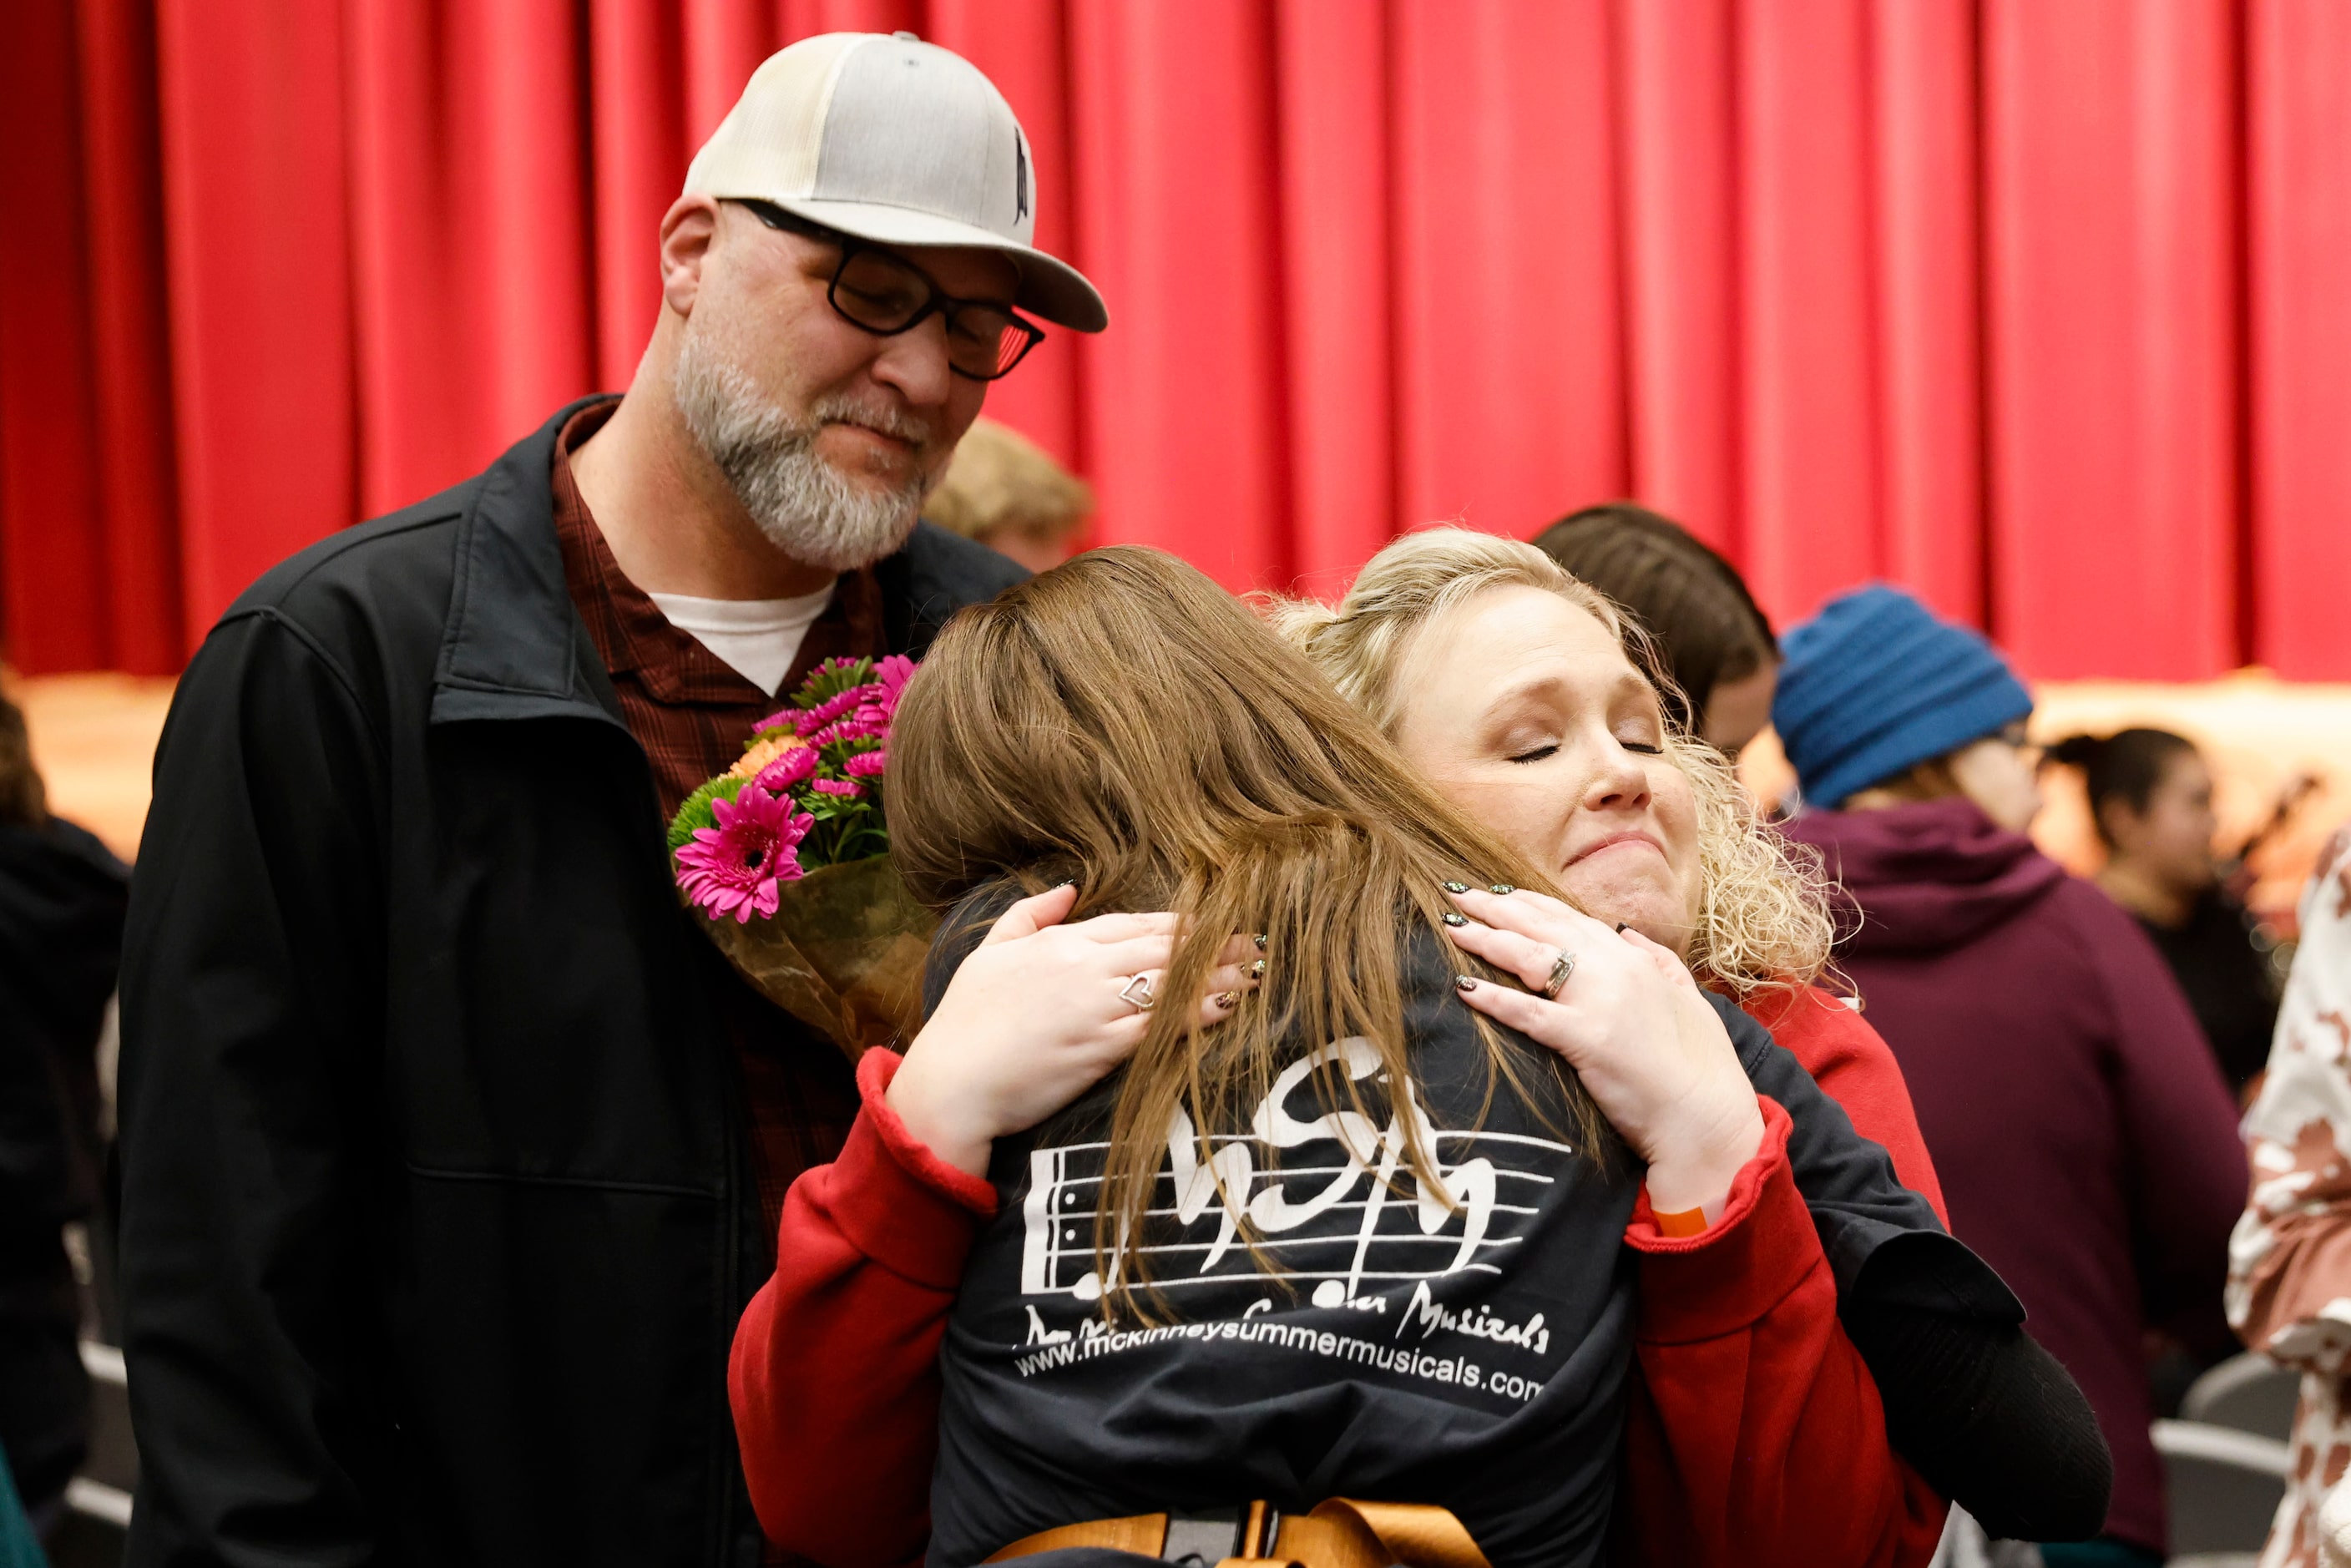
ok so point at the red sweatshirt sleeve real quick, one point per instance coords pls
(834, 1373)
(1755, 1435)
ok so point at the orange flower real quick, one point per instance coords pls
(763, 752)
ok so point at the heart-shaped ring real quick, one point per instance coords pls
(1136, 993)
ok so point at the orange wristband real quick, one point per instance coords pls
(1681, 1222)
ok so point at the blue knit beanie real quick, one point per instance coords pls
(1876, 682)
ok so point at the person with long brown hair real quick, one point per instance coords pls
(1163, 749)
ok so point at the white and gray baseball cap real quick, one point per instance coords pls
(892, 140)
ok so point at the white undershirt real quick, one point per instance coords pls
(757, 638)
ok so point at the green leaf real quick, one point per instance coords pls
(695, 813)
(830, 680)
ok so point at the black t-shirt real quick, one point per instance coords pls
(1472, 1353)
(2228, 981)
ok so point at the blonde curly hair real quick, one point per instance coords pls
(1763, 920)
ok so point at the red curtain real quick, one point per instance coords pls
(2037, 306)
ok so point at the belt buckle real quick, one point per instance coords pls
(1202, 1537)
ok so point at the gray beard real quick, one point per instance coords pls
(801, 502)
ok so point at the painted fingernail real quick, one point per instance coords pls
(1623, 927)
(1465, 982)
(1504, 888)
(1259, 940)
(1456, 887)
(1227, 1000)
(1256, 971)
(1453, 919)
(1065, 882)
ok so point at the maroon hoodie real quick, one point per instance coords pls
(2087, 1145)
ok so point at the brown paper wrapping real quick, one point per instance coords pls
(844, 954)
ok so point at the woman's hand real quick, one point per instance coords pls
(1034, 1019)
(1633, 1024)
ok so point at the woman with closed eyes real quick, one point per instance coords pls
(1519, 692)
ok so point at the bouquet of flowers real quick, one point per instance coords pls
(786, 855)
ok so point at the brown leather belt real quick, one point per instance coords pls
(1340, 1533)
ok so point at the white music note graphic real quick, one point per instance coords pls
(1328, 1228)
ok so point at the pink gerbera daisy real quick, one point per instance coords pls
(892, 676)
(737, 867)
(786, 770)
(867, 764)
(865, 724)
(843, 788)
(818, 717)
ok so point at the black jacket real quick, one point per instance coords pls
(437, 1210)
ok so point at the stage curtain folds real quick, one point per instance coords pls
(2038, 309)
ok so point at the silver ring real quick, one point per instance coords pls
(1136, 993)
(1560, 968)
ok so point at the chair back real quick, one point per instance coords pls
(2223, 1486)
(2247, 1391)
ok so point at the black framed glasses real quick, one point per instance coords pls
(877, 292)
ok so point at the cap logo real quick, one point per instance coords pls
(1019, 176)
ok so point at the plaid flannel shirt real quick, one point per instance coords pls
(692, 713)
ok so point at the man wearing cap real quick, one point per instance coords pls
(450, 1150)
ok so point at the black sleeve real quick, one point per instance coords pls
(1988, 1417)
(252, 1003)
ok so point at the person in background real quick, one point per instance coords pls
(2151, 798)
(1716, 653)
(2290, 1258)
(451, 1148)
(61, 902)
(1004, 491)
(2086, 1143)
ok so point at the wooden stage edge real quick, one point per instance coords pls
(94, 738)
